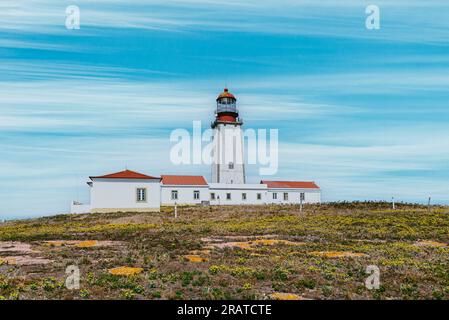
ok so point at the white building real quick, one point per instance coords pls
(292, 192)
(122, 191)
(128, 191)
(132, 191)
(183, 190)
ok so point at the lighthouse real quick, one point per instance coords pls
(228, 149)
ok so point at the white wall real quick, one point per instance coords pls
(236, 190)
(228, 147)
(79, 208)
(311, 196)
(122, 194)
(185, 194)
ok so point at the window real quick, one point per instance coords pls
(275, 196)
(285, 196)
(212, 196)
(243, 196)
(174, 194)
(259, 196)
(141, 194)
(196, 195)
(231, 165)
(302, 196)
(228, 196)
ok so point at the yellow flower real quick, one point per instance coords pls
(125, 271)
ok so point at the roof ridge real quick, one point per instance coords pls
(124, 174)
(183, 179)
(289, 180)
(182, 175)
(290, 184)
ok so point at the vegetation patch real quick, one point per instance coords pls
(285, 296)
(125, 271)
(195, 258)
(338, 254)
(80, 243)
(251, 244)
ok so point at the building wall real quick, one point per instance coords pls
(110, 195)
(236, 190)
(185, 194)
(121, 194)
(228, 147)
(79, 208)
(311, 196)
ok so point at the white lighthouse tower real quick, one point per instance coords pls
(228, 157)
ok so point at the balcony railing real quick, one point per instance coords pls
(226, 108)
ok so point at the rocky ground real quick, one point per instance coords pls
(254, 252)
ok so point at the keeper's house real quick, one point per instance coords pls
(122, 191)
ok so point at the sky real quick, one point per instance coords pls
(363, 113)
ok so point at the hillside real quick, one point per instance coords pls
(241, 252)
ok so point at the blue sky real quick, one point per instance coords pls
(364, 113)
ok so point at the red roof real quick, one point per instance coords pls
(127, 174)
(226, 94)
(290, 184)
(184, 180)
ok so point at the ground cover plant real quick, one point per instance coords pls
(252, 252)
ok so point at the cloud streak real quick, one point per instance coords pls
(402, 20)
(362, 113)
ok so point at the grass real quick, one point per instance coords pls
(270, 252)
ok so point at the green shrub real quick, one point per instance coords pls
(306, 283)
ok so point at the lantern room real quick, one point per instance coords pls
(226, 111)
(226, 101)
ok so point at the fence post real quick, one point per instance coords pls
(428, 205)
(392, 200)
(176, 211)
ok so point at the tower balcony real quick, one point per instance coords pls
(238, 121)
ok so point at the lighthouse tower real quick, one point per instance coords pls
(228, 157)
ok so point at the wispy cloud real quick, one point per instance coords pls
(364, 113)
(360, 83)
(401, 19)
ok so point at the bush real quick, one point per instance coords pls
(306, 283)
(280, 274)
